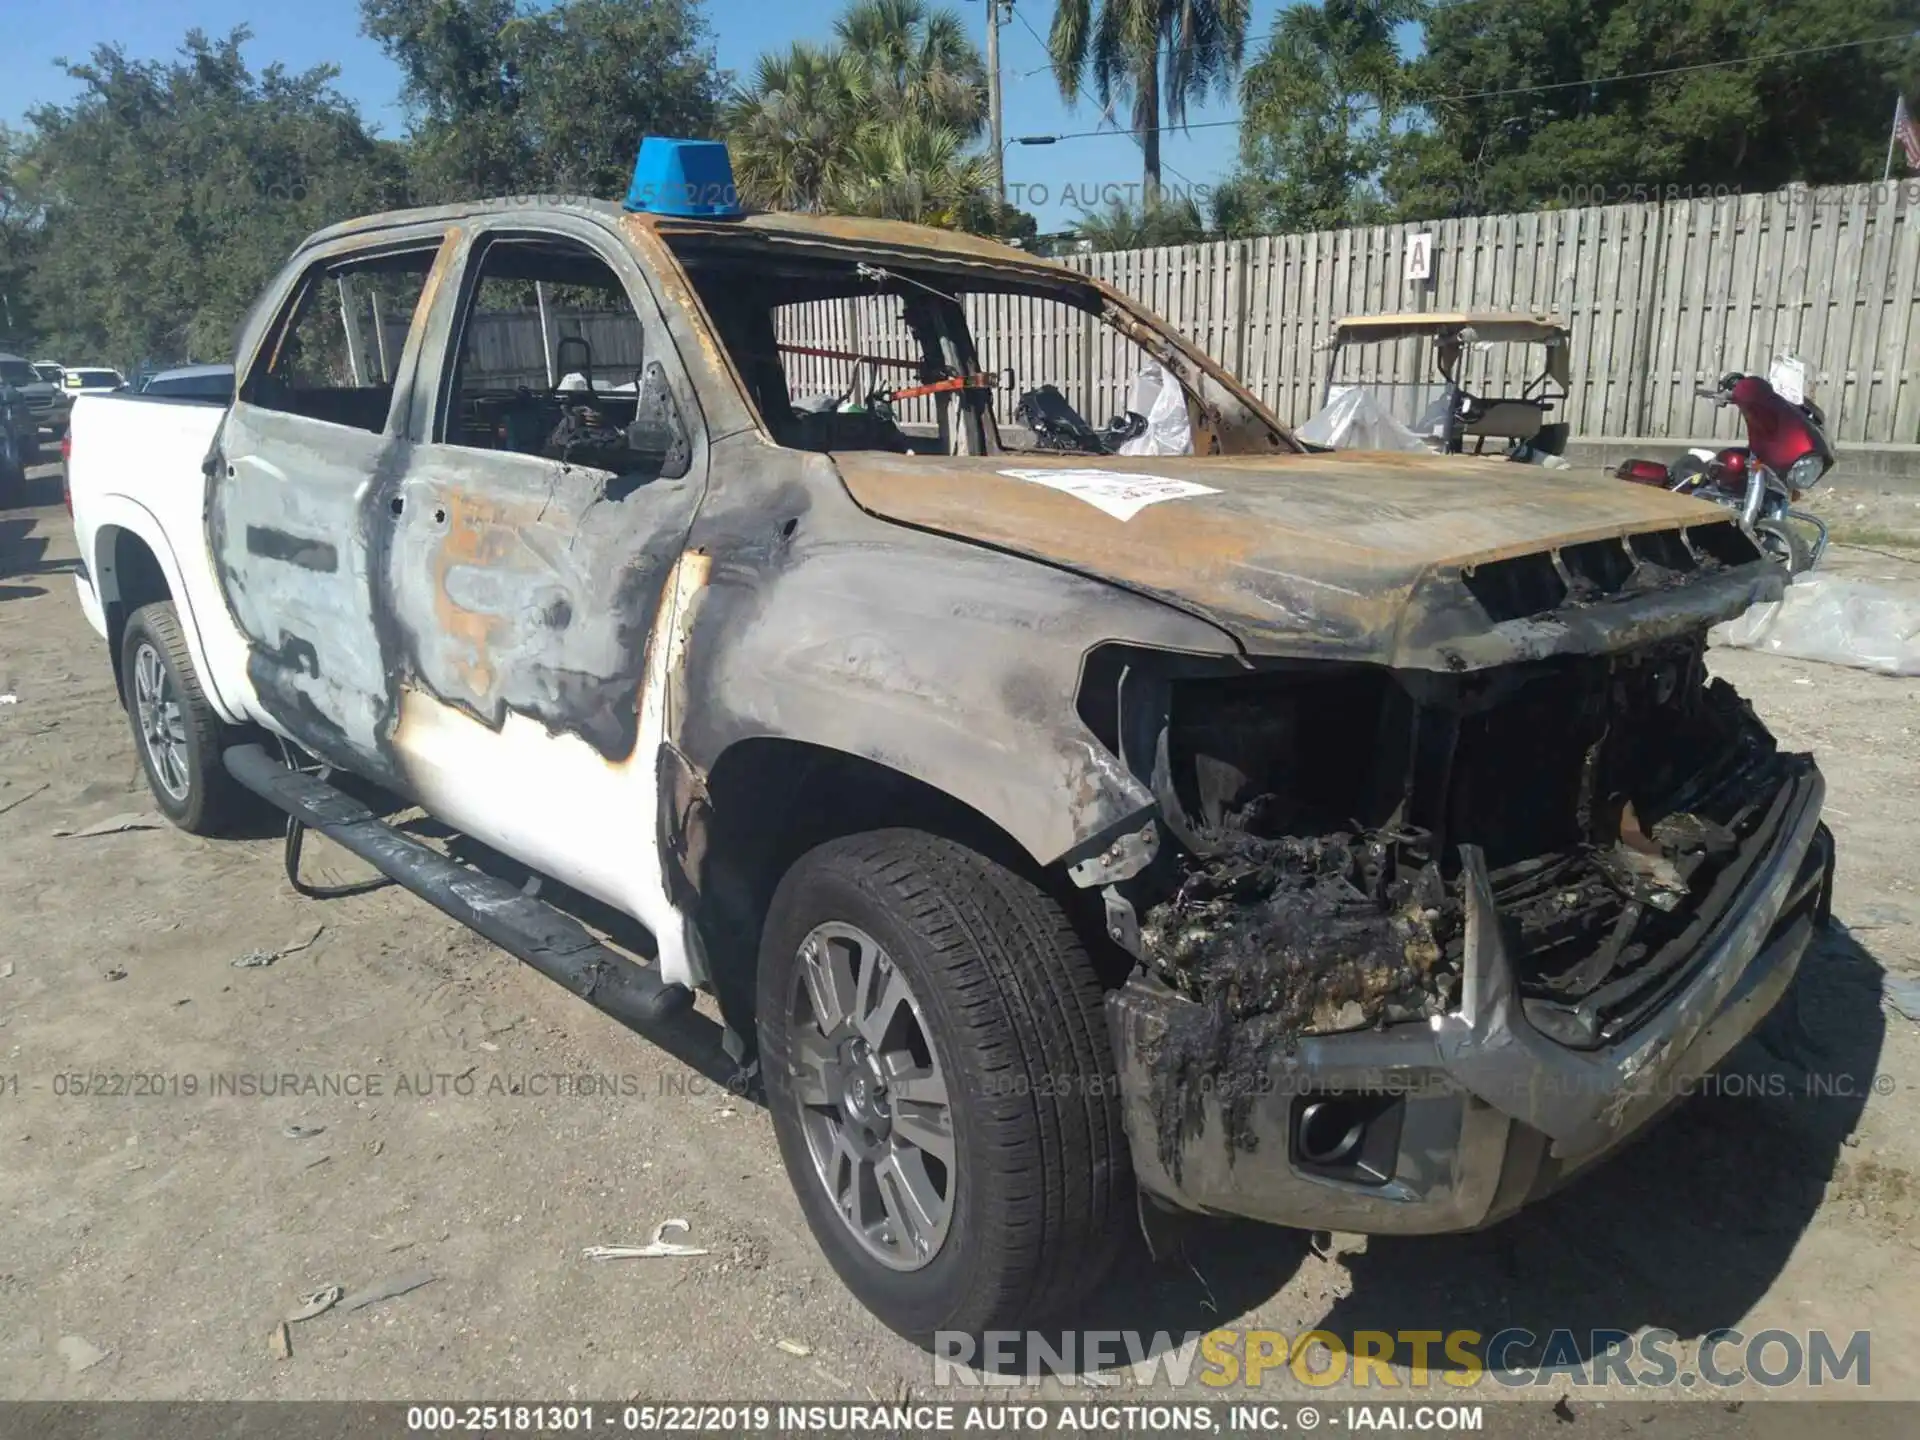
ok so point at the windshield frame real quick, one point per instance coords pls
(1225, 417)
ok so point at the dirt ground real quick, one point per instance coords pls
(475, 1141)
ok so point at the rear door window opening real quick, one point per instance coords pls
(335, 352)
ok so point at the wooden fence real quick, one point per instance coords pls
(1660, 297)
(506, 348)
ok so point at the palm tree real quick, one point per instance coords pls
(877, 123)
(1140, 227)
(919, 63)
(1151, 54)
(789, 130)
(1318, 106)
(912, 170)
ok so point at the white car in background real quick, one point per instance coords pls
(91, 380)
(192, 382)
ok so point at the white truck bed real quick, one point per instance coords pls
(135, 477)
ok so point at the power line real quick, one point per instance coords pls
(1135, 135)
(1443, 99)
(1014, 10)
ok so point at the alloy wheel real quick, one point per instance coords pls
(163, 725)
(872, 1096)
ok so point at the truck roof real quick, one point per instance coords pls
(773, 225)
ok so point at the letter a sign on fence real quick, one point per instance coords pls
(1419, 256)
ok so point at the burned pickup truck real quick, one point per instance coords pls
(1339, 839)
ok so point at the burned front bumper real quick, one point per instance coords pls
(1456, 1123)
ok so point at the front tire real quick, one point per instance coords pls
(176, 731)
(936, 1059)
(1782, 542)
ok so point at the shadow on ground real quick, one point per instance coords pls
(23, 554)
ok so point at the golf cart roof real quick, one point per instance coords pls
(1495, 325)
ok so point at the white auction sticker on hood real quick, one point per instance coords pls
(1120, 494)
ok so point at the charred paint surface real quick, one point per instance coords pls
(519, 591)
(316, 658)
(1298, 558)
(302, 550)
(947, 662)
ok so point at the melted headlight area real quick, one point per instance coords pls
(1319, 813)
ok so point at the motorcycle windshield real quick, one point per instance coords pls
(1778, 432)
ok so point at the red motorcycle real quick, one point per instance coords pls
(1786, 454)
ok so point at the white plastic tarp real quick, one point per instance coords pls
(1164, 404)
(1355, 420)
(1834, 620)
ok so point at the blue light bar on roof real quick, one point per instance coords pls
(683, 177)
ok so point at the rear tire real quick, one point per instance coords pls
(176, 731)
(975, 988)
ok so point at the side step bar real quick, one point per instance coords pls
(555, 944)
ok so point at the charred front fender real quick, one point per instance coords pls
(951, 663)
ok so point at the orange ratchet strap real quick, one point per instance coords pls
(853, 355)
(938, 387)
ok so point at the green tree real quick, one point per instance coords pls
(913, 170)
(919, 64)
(1560, 131)
(791, 130)
(1125, 226)
(1318, 110)
(881, 122)
(19, 242)
(1152, 56)
(505, 99)
(168, 193)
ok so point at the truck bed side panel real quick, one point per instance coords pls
(136, 469)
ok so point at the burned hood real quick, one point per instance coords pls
(1415, 561)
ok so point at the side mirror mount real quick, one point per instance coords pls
(657, 437)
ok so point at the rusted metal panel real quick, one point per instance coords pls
(948, 662)
(1302, 555)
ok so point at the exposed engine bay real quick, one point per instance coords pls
(1321, 813)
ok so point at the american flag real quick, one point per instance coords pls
(1907, 131)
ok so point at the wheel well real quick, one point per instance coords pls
(772, 800)
(130, 576)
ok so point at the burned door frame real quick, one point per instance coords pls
(533, 605)
(290, 530)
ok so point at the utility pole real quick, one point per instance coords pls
(993, 99)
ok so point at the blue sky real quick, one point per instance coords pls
(299, 35)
